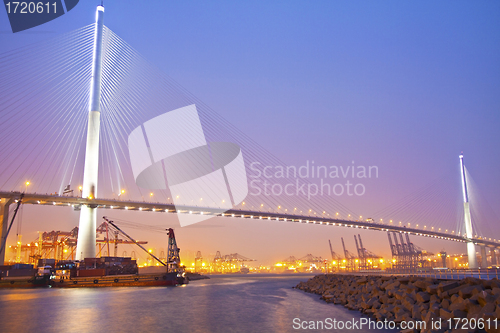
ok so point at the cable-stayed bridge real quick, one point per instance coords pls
(80, 96)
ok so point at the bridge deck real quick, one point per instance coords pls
(57, 200)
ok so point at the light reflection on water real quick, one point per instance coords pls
(221, 304)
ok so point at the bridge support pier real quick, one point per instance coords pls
(493, 256)
(484, 259)
(85, 247)
(4, 223)
(471, 247)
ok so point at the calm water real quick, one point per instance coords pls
(221, 304)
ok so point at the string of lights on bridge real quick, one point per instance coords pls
(314, 220)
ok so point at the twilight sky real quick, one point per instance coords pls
(405, 86)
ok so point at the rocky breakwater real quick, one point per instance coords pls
(413, 299)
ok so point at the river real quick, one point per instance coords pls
(221, 304)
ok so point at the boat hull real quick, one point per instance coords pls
(25, 282)
(149, 280)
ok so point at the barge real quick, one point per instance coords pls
(98, 272)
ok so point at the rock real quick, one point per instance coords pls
(363, 280)
(484, 298)
(457, 289)
(488, 308)
(410, 330)
(422, 284)
(445, 286)
(404, 279)
(470, 291)
(459, 314)
(435, 298)
(415, 310)
(408, 303)
(423, 297)
(443, 313)
(384, 299)
(393, 285)
(376, 305)
(457, 304)
(445, 304)
(409, 288)
(432, 289)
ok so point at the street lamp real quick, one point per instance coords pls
(27, 183)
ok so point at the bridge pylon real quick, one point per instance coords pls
(4, 222)
(471, 247)
(88, 214)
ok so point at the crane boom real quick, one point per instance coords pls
(133, 240)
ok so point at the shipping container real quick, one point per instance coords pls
(91, 272)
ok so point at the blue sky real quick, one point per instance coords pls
(405, 85)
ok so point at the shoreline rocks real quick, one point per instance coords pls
(397, 298)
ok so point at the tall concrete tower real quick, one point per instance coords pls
(86, 232)
(471, 248)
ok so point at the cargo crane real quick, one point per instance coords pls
(361, 254)
(406, 255)
(336, 258)
(229, 262)
(101, 243)
(365, 256)
(198, 259)
(349, 258)
(173, 257)
(217, 263)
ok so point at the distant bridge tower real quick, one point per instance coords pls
(86, 232)
(471, 248)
